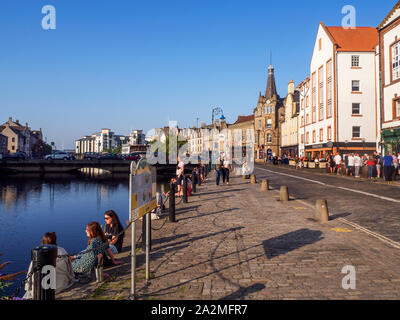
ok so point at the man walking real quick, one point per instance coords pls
(378, 161)
(217, 169)
(338, 162)
(357, 165)
(350, 162)
(387, 167)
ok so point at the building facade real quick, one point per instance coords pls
(3, 144)
(266, 121)
(289, 123)
(339, 109)
(389, 84)
(18, 136)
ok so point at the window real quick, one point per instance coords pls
(321, 135)
(329, 89)
(12, 147)
(329, 133)
(320, 44)
(355, 109)
(302, 138)
(269, 138)
(302, 121)
(355, 61)
(395, 61)
(321, 93)
(314, 139)
(13, 140)
(272, 109)
(355, 85)
(356, 132)
(307, 137)
(265, 110)
(314, 98)
(269, 124)
(259, 124)
(396, 108)
(307, 119)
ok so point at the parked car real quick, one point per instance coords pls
(109, 156)
(132, 156)
(59, 155)
(90, 156)
(16, 156)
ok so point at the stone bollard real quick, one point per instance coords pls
(321, 211)
(253, 179)
(284, 193)
(265, 185)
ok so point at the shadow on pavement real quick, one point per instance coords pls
(290, 241)
(339, 215)
(243, 292)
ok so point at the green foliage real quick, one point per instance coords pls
(165, 146)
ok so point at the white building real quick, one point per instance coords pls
(339, 107)
(99, 142)
(389, 84)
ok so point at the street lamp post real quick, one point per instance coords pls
(303, 94)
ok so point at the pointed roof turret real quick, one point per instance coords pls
(271, 87)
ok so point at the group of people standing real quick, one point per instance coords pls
(101, 244)
(387, 165)
(222, 168)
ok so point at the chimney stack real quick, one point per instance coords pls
(17, 121)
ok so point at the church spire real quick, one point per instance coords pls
(271, 87)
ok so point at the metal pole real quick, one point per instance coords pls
(172, 203)
(148, 218)
(198, 177)
(185, 191)
(194, 182)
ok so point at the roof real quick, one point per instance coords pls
(242, 119)
(359, 39)
(389, 16)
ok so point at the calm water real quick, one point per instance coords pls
(31, 206)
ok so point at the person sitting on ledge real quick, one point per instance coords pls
(64, 273)
(97, 244)
(112, 230)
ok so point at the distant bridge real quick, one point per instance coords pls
(65, 166)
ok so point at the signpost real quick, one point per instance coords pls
(142, 190)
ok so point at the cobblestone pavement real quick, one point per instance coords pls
(237, 242)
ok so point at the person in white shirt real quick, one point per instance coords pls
(338, 162)
(350, 161)
(180, 171)
(357, 165)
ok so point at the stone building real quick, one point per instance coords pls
(3, 144)
(289, 122)
(389, 84)
(266, 121)
(19, 136)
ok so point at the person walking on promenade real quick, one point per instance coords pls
(64, 273)
(331, 162)
(357, 165)
(395, 165)
(350, 162)
(226, 167)
(387, 167)
(180, 171)
(378, 161)
(217, 169)
(338, 163)
(371, 165)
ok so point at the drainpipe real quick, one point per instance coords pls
(337, 97)
(380, 90)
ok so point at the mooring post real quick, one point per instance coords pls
(172, 202)
(284, 193)
(44, 256)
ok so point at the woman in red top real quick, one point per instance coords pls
(371, 164)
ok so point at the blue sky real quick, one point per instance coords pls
(127, 64)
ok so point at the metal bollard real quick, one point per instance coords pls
(265, 185)
(172, 202)
(42, 256)
(321, 211)
(194, 181)
(284, 193)
(99, 270)
(185, 189)
(253, 179)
